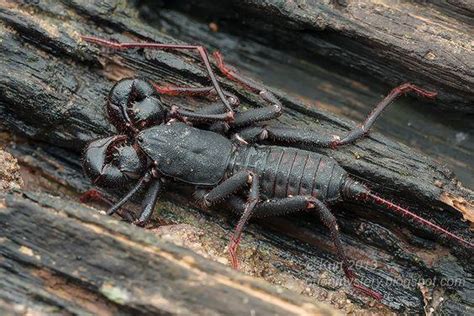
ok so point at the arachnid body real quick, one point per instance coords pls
(221, 155)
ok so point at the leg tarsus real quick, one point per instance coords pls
(96, 195)
(410, 87)
(233, 245)
(330, 222)
(363, 129)
(246, 215)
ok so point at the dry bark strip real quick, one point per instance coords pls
(59, 257)
(428, 42)
(54, 91)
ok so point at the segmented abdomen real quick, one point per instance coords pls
(285, 171)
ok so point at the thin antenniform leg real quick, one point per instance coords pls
(232, 74)
(201, 50)
(192, 91)
(143, 181)
(210, 113)
(247, 118)
(95, 195)
(195, 91)
(361, 130)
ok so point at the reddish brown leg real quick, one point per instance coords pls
(278, 207)
(175, 91)
(232, 74)
(352, 135)
(207, 114)
(330, 222)
(224, 191)
(201, 50)
(95, 195)
(363, 129)
(274, 110)
(246, 215)
(195, 91)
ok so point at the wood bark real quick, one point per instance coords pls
(59, 258)
(53, 91)
(425, 42)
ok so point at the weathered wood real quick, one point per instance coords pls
(54, 92)
(429, 44)
(58, 257)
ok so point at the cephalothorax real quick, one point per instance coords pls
(222, 158)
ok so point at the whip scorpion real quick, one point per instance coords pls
(227, 155)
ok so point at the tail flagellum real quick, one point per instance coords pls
(357, 190)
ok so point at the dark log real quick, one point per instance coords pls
(54, 92)
(418, 41)
(57, 256)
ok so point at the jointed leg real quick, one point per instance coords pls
(201, 50)
(299, 136)
(142, 183)
(201, 117)
(195, 91)
(95, 195)
(285, 135)
(230, 186)
(149, 202)
(329, 221)
(294, 204)
(363, 129)
(276, 207)
(246, 215)
(209, 113)
(247, 118)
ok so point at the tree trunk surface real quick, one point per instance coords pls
(429, 44)
(58, 256)
(52, 97)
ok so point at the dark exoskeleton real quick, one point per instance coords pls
(216, 149)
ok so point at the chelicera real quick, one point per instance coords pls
(218, 150)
